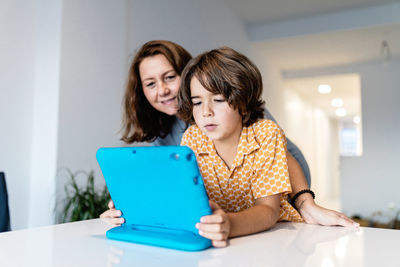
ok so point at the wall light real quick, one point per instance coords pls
(356, 119)
(337, 102)
(341, 112)
(385, 51)
(324, 89)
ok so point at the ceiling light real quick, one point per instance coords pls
(324, 89)
(356, 119)
(341, 112)
(337, 102)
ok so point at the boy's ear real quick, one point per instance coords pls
(242, 112)
(245, 117)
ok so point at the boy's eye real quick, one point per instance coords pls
(196, 103)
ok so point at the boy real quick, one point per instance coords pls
(241, 156)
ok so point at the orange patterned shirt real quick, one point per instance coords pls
(258, 170)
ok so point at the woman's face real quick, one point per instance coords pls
(160, 83)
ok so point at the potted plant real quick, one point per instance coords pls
(82, 203)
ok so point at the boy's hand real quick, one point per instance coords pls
(112, 215)
(215, 227)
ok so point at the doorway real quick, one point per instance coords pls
(323, 117)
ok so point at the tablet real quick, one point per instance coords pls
(160, 192)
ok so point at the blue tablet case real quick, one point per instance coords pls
(160, 192)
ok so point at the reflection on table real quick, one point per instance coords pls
(287, 244)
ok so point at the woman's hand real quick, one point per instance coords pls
(314, 214)
(215, 227)
(112, 215)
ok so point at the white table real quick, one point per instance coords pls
(287, 244)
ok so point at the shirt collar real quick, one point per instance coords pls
(247, 144)
(206, 145)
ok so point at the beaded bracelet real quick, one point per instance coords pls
(302, 192)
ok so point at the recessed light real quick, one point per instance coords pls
(324, 89)
(337, 102)
(341, 112)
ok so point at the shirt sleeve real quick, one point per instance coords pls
(271, 174)
(174, 137)
(187, 139)
(296, 153)
(184, 141)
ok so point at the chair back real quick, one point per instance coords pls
(4, 211)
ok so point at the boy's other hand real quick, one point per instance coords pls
(112, 216)
(215, 227)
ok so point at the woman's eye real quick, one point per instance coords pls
(170, 77)
(150, 84)
(219, 100)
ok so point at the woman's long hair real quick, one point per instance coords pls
(141, 122)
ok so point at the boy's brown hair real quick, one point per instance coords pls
(141, 122)
(229, 73)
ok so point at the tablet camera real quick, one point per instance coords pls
(195, 180)
(174, 156)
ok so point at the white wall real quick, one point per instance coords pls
(196, 25)
(45, 112)
(317, 136)
(272, 88)
(29, 65)
(299, 123)
(326, 149)
(17, 79)
(92, 77)
(371, 182)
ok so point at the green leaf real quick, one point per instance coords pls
(82, 203)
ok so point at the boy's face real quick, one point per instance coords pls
(213, 115)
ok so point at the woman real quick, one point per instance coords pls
(150, 109)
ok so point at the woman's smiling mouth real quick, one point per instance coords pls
(169, 101)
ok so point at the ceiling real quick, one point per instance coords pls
(320, 50)
(336, 47)
(346, 87)
(266, 11)
(331, 49)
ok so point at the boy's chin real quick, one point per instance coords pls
(212, 136)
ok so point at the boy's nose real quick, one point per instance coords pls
(207, 110)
